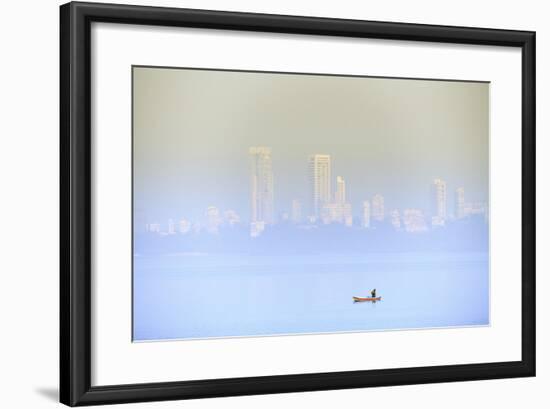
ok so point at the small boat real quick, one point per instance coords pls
(362, 299)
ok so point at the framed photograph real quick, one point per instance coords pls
(257, 204)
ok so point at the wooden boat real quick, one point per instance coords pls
(362, 299)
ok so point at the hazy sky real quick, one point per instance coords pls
(193, 128)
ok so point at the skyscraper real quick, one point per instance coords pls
(336, 213)
(171, 227)
(153, 227)
(348, 217)
(256, 228)
(213, 219)
(459, 203)
(366, 214)
(378, 208)
(340, 194)
(476, 208)
(319, 181)
(438, 202)
(261, 185)
(338, 210)
(414, 221)
(296, 214)
(231, 217)
(184, 226)
(395, 219)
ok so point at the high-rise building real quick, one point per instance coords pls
(296, 213)
(338, 210)
(395, 219)
(153, 228)
(231, 217)
(414, 221)
(171, 227)
(476, 209)
(336, 213)
(320, 182)
(346, 210)
(256, 228)
(459, 203)
(184, 226)
(213, 219)
(366, 214)
(438, 202)
(378, 208)
(330, 212)
(340, 194)
(261, 185)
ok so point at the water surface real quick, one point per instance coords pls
(197, 295)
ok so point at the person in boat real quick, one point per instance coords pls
(373, 293)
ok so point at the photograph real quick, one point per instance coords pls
(266, 204)
(282, 203)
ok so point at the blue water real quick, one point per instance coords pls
(201, 296)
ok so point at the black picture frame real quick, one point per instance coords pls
(76, 199)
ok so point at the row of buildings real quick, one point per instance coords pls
(325, 205)
(214, 220)
(328, 205)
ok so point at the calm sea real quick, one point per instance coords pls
(183, 296)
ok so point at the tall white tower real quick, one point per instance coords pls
(340, 194)
(171, 227)
(319, 180)
(395, 219)
(213, 219)
(378, 208)
(366, 214)
(261, 185)
(459, 203)
(438, 202)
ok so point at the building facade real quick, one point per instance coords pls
(366, 214)
(414, 221)
(395, 219)
(459, 203)
(320, 182)
(378, 208)
(261, 185)
(438, 200)
(340, 194)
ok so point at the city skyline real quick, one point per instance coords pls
(261, 190)
(394, 136)
(327, 206)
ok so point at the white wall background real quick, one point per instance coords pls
(29, 203)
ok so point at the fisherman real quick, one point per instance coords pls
(373, 293)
